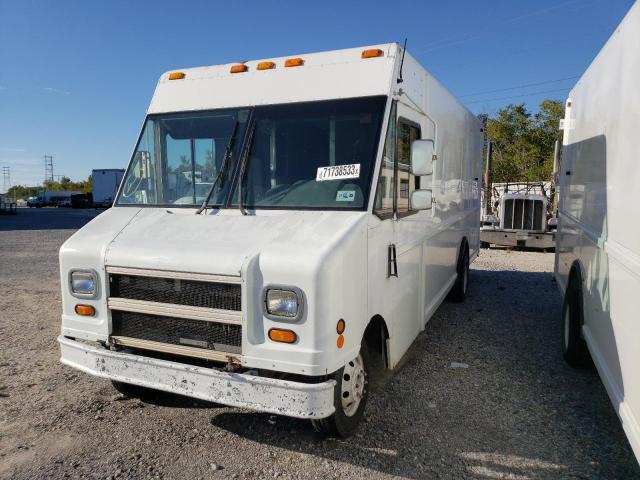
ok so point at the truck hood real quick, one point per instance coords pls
(221, 243)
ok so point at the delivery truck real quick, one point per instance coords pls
(597, 262)
(285, 229)
(105, 185)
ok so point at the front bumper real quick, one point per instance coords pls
(282, 397)
(509, 238)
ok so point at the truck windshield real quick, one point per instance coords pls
(318, 155)
(179, 157)
(312, 155)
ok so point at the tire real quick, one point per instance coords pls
(574, 347)
(353, 377)
(132, 391)
(459, 290)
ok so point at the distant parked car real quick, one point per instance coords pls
(34, 202)
(65, 203)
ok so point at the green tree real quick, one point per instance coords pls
(523, 143)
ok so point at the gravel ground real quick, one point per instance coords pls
(510, 409)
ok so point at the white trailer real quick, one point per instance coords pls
(105, 185)
(286, 228)
(597, 261)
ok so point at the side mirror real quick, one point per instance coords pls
(422, 152)
(421, 200)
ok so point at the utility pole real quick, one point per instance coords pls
(48, 168)
(554, 178)
(488, 208)
(6, 177)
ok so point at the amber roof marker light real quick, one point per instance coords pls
(266, 66)
(372, 53)
(177, 75)
(239, 68)
(294, 62)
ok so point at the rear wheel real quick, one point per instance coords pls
(574, 347)
(459, 291)
(350, 398)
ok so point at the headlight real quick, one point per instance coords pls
(83, 283)
(283, 303)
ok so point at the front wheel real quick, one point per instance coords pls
(350, 398)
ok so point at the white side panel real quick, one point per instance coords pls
(428, 241)
(598, 214)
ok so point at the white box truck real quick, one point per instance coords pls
(285, 229)
(105, 185)
(597, 261)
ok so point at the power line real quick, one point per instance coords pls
(473, 34)
(519, 86)
(520, 96)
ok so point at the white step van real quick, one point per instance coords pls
(285, 227)
(597, 261)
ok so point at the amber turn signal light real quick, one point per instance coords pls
(283, 336)
(294, 62)
(266, 65)
(340, 341)
(239, 68)
(372, 53)
(340, 326)
(176, 75)
(85, 310)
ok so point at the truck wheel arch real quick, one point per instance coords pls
(375, 338)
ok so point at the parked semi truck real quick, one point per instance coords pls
(519, 214)
(50, 198)
(597, 262)
(105, 185)
(285, 229)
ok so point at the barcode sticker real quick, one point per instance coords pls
(338, 172)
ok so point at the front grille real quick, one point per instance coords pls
(523, 214)
(178, 331)
(224, 296)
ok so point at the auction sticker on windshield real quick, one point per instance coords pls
(338, 172)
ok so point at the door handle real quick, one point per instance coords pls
(392, 264)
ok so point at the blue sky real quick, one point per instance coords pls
(76, 76)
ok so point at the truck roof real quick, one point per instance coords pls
(322, 76)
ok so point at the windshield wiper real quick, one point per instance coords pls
(243, 167)
(223, 167)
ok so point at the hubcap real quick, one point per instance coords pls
(353, 386)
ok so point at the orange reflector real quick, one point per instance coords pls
(294, 62)
(284, 336)
(340, 341)
(176, 75)
(340, 327)
(266, 65)
(85, 310)
(239, 68)
(372, 52)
